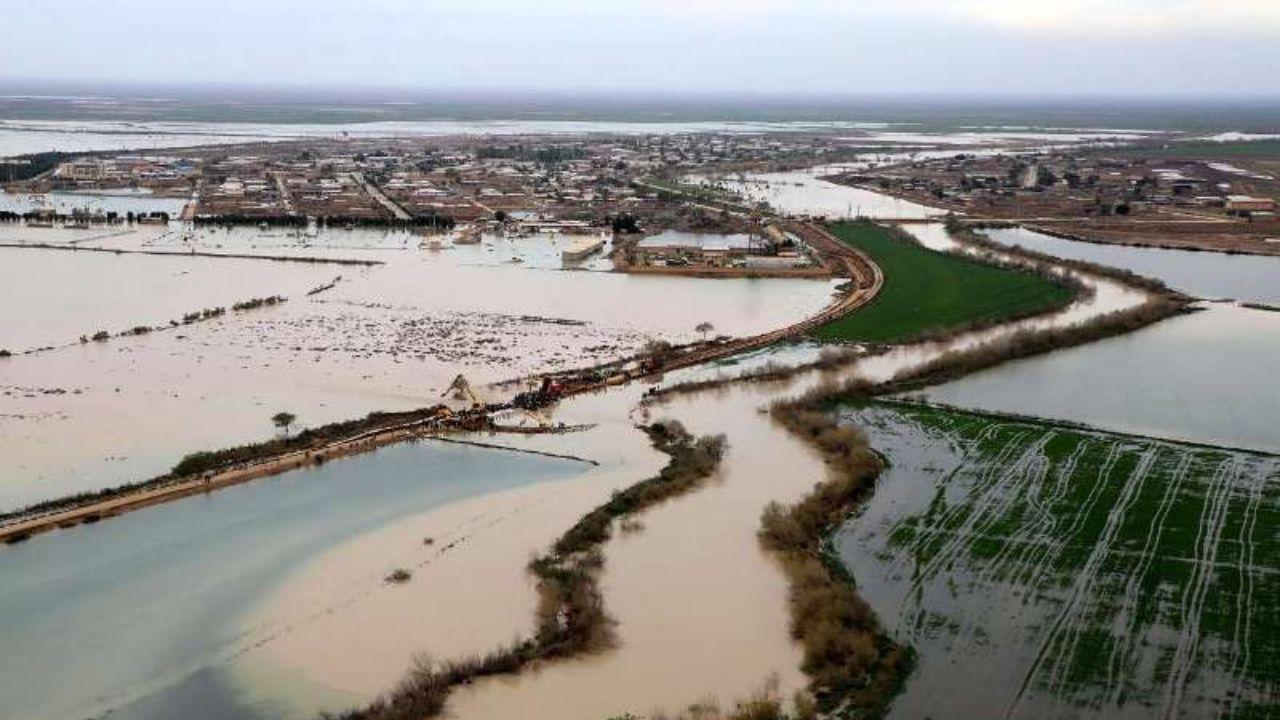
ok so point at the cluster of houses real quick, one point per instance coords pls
(124, 171)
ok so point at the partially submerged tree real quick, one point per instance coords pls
(283, 421)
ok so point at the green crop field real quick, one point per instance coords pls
(927, 291)
(1051, 571)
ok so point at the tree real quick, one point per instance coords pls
(625, 223)
(283, 421)
(704, 328)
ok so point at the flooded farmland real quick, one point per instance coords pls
(1047, 571)
(115, 293)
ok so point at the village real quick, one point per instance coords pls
(618, 194)
(1187, 195)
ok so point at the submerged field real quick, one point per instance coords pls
(1048, 571)
(927, 291)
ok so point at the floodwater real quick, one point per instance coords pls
(804, 192)
(387, 337)
(1247, 278)
(1203, 377)
(19, 137)
(121, 202)
(689, 584)
(101, 616)
(1207, 377)
(54, 297)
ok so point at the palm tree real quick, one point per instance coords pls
(704, 328)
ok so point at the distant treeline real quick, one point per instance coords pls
(25, 167)
(76, 215)
(534, 153)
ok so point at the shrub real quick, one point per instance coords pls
(196, 463)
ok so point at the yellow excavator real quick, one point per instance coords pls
(462, 390)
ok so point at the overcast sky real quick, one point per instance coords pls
(765, 46)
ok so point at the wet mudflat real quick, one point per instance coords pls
(1046, 571)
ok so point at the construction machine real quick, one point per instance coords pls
(461, 389)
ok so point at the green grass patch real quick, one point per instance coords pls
(928, 292)
(1208, 149)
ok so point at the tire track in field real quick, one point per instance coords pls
(1054, 638)
(994, 496)
(1114, 452)
(1084, 590)
(1045, 521)
(1032, 467)
(1213, 515)
(1242, 634)
(1128, 615)
(938, 526)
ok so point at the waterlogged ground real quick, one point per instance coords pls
(1044, 571)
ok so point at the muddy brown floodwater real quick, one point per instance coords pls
(701, 609)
